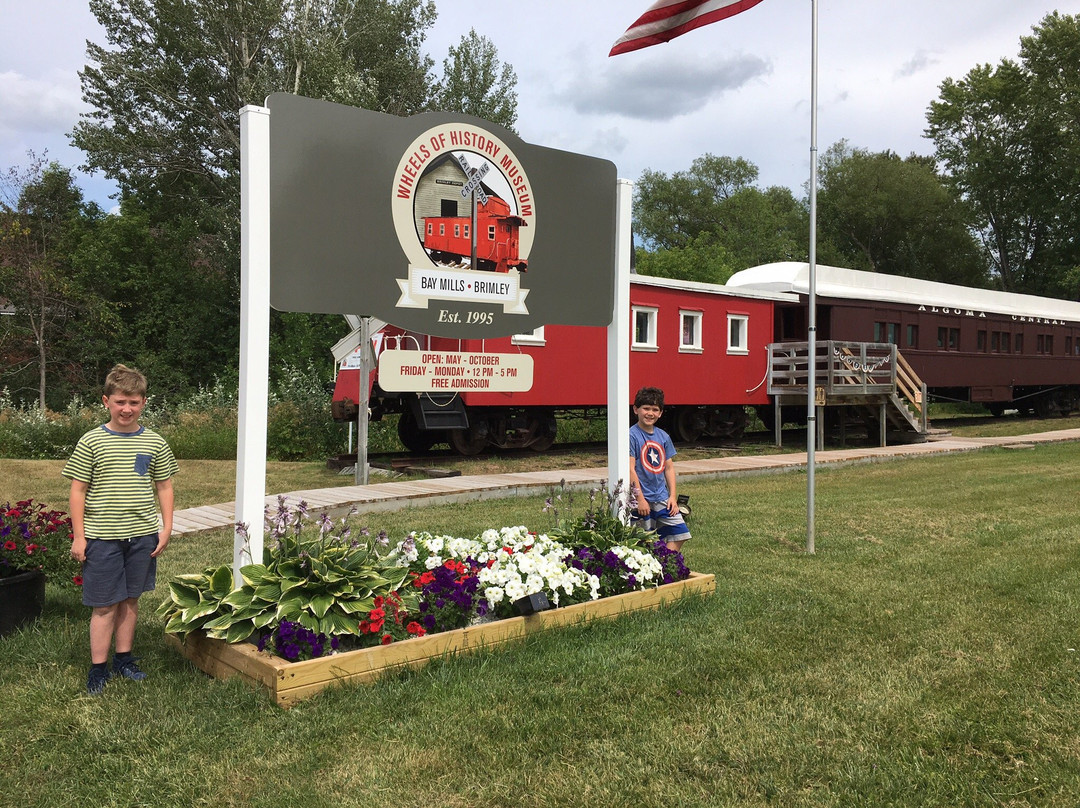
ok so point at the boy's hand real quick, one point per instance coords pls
(78, 549)
(163, 542)
(672, 505)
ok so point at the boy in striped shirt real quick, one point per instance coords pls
(121, 507)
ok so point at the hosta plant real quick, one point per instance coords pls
(323, 575)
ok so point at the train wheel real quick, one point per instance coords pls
(545, 430)
(689, 424)
(412, 436)
(469, 441)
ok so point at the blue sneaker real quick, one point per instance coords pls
(95, 682)
(128, 668)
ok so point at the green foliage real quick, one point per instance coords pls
(322, 576)
(601, 526)
(884, 214)
(710, 221)
(33, 433)
(1009, 140)
(474, 82)
(43, 218)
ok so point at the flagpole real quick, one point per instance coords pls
(811, 379)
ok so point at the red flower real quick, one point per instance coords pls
(415, 628)
(387, 639)
(377, 614)
(9, 545)
(30, 549)
(378, 602)
(77, 580)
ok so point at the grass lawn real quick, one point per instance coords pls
(925, 656)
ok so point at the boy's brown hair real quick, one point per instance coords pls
(122, 379)
(649, 395)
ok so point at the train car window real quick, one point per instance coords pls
(879, 332)
(466, 231)
(892, 333)
(738, 329)
(644, 329)
(1068, 346)
(1040, 343)
(457, 231)
(954, 339)
(1050, 343)
(980, 341)
(431, 228)
(442, 229)
(1005, 338)
(491, 232)
(912, 336)
(690, 331)
(942, 336)
(534, 337)
(1019, 343)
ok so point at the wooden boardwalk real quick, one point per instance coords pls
(396, 495)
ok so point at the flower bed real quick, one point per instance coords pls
(290, 682)
(331, 602)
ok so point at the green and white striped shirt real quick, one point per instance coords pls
(121, 469)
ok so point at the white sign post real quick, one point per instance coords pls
(618, 395)
(254, 335)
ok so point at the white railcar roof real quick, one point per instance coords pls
(713, 289)
(853, 284)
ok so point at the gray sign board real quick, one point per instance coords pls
(440, 223)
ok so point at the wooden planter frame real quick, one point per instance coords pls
(290, 682)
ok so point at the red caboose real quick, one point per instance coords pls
(448, 239)
(704, 345)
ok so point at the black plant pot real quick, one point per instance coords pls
(22, 598)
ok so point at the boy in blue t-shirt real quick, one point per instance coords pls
(652, 471)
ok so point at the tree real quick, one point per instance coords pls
(42, 218)
(884, 214)
(710, 221)
(166, 96)
(1008, 138)
(474, 82)
(165, 92)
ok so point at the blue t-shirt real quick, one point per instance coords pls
(650, 452)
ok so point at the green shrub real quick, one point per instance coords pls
(31, 433)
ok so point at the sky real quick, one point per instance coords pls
(739, 87)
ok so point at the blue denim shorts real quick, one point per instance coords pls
(118, 569)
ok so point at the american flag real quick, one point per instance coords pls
(667, 19)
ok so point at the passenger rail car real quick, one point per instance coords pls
(705, 345)
(1002, 350)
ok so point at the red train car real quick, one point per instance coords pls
(448, 239)
(705, 345)
(1003, 350)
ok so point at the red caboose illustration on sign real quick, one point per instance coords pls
(449, 239)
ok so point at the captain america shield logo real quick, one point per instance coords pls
(652, 457)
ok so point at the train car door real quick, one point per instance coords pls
(793, 323)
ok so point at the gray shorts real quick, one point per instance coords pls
(118, 569)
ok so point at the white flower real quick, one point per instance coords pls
(433, 561)
(434, 544)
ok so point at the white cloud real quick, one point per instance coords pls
(922, 60)
(38, 105)
(663, 88)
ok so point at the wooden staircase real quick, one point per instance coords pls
(870, 379)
